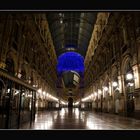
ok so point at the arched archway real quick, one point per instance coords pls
(23, 74)
(11, 62)
(126, 64)
(129, 85)
(115, 89)
(70, 102)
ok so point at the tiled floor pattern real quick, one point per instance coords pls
(76, 119)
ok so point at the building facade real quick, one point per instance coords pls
(28, 75)
(27, 68)
(112, 76)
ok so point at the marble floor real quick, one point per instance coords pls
(76, 119)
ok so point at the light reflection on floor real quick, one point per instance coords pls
(76, 119)
(41, 123)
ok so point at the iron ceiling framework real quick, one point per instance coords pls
(71, 30)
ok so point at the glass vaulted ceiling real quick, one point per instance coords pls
(71, 31)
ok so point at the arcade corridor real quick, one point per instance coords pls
(70, 70)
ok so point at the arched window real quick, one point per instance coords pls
(128, 67)
(23, 74)
(10, 65)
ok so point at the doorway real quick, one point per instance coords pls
(70, 102)
(130, 104)
(117, 104)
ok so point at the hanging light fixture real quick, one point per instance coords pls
(129, 76)
(105, 88)
(115, 84)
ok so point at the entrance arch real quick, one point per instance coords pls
(70, 102)
(129, 85)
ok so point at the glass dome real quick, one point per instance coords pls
(70, 61)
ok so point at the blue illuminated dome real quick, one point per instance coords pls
(70, 61)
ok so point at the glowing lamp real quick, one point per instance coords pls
(129, 76)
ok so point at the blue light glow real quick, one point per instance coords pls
(70, 61)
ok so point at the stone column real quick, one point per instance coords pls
(110, 89)
(136, 76)
(120, 83)
(125, 37)
(124, 93)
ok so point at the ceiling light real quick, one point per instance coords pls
(99, 91)
(95, 93)
(8, 90)
(60, 14)
(106, 88)
(92, 95)
(129, 76)
(44, 92)
(131, 84)
(76, 103)
(39, 91)
(61, 21)
(115, 84)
